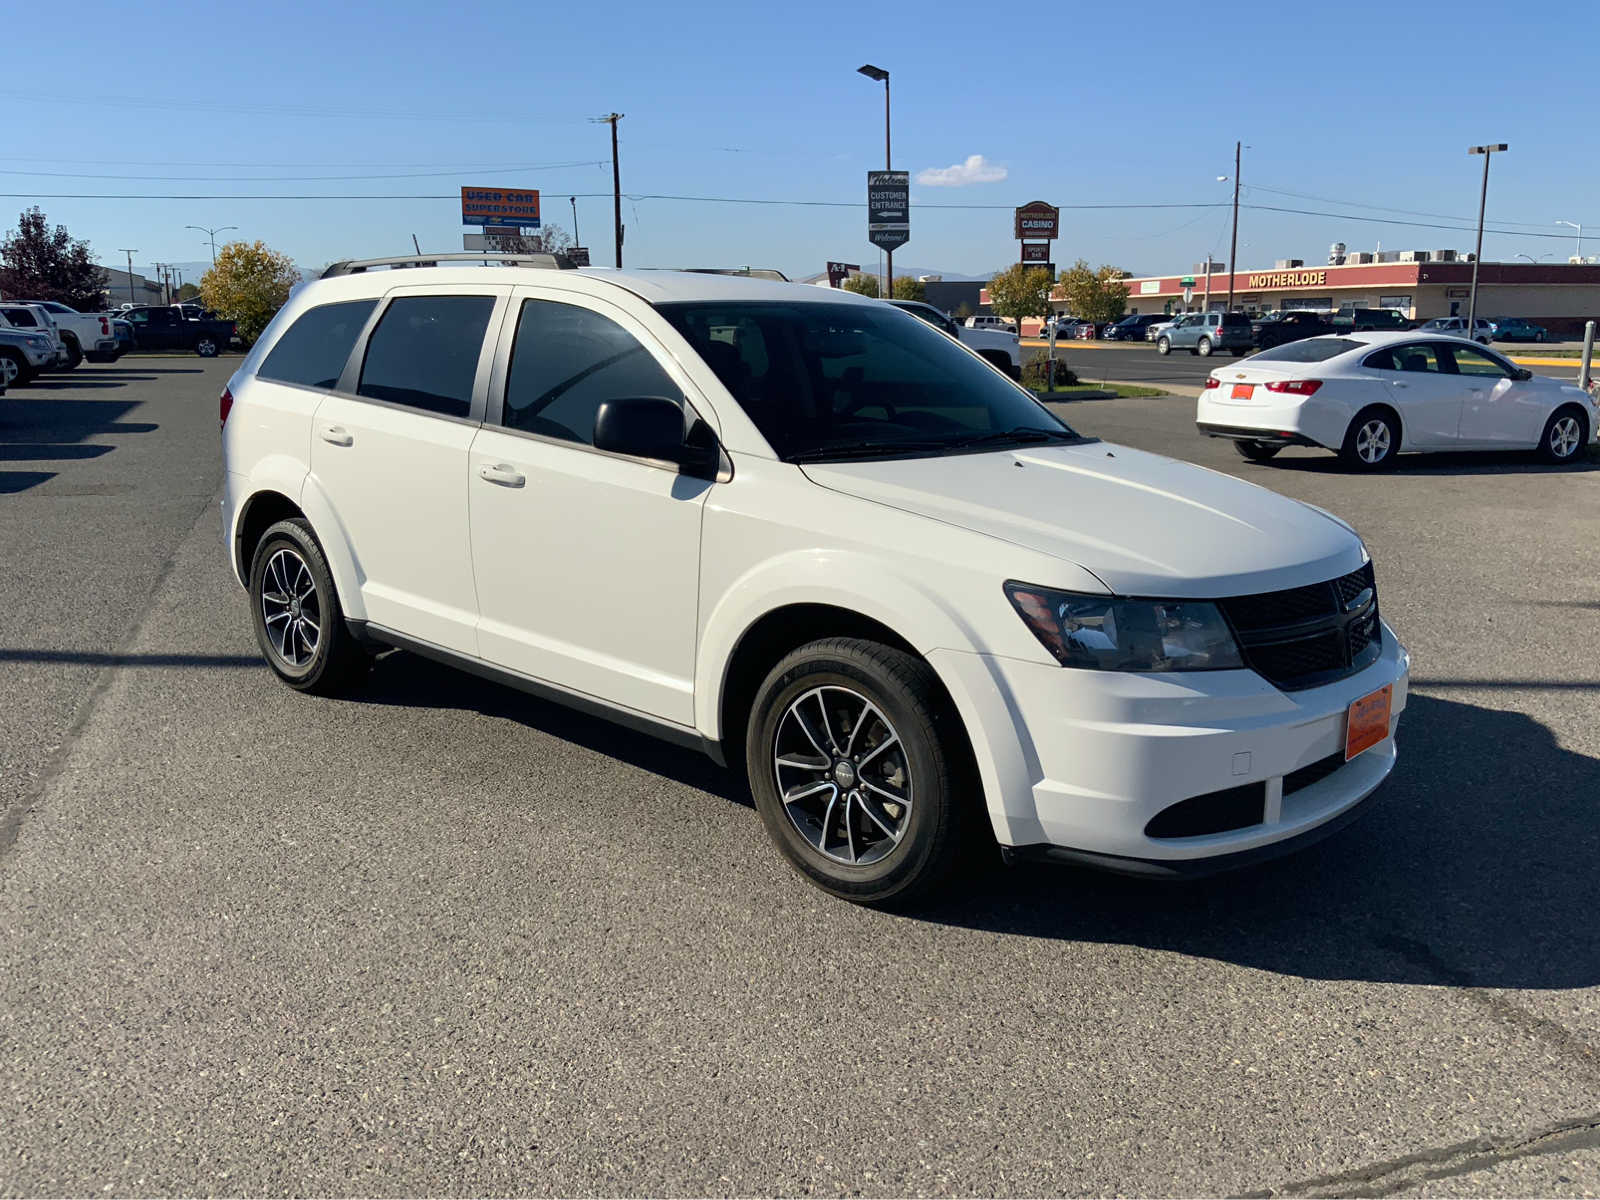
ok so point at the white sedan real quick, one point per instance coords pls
(1368, 396)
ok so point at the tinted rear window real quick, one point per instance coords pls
(424, 352)
(314, 349)
(1235, 319)
(1309, 351)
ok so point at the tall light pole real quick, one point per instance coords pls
(212, 234)
(132, 299)
(1579, 228)
(576, 240)
(879, 74)
(1233, 248)
(1488, 152)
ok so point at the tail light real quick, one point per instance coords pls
(1212, 382)
(1295, 387)
(105, 327)
(225, 405)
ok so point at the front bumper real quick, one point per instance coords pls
(1097, 755)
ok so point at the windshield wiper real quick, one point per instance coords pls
(863, 450)
(1021, 435)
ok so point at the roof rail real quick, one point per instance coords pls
(355, 266)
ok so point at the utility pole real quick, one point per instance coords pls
(611, 119)
(1233, 247)
(161, 279)
(1483, 199)
(576, 240)
(132, 299)
(212, 234)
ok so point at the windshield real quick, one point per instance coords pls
(826, 380)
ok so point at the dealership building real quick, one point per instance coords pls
(1421, 284)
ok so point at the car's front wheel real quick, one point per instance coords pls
(14, 369)
(298, 621)
(1163, 345)
(1564, 434)
(857, 765)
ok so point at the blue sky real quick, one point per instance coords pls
(1355, 109)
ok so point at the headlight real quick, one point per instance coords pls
(40, 342)
(1106, 633)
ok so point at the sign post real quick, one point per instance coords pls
(1037, 224)
(889, 215)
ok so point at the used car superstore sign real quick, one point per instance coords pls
(1277, 279)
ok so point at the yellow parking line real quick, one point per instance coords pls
(1574, 363)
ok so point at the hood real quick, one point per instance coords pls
(1143, 524)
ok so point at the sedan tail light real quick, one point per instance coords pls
(225, 405)
(1295, 387)
(1212, 382)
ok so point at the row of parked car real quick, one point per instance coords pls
(46, 335)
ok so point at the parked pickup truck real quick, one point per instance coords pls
(997, 346)
(163, 328)
(83, 335)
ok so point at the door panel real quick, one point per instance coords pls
(1498, 410)
(1428, 400)
(398, 481)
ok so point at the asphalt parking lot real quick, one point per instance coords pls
(443, 938)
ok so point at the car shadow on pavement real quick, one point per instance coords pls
(411, 681)
(1508, 462)
(1476, 867)
(63, 422)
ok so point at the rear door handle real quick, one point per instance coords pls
(1397, 383)
(338, 435)
(502, 474)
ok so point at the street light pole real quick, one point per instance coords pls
(1579, 228)
(132, 299)
(1233, 248)
(576, 240)
(1477, 256)
(878, 73)
(212, 234)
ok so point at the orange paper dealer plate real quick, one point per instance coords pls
(1243, 391)
(1367, 722)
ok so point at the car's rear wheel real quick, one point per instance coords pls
(855, 760)
(74, 352)
(1564, 434)
(1163, 345)
(1372, 441)
(206, 347)
(298, 621)
(1257, 451)
(1539, 337)
(1203, 348)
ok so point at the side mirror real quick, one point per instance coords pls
(652, 427)
(1523, 374)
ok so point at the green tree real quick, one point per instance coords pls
(188, 292)
(248, 286)
(862, 285)
(1094, 295)
(963, 312)
(1020, 292)
(40, 263)
(908, 288)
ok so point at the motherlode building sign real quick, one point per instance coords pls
(518, 207)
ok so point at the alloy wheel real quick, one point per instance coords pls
(842, 775)
(1372, 441)
(8, 371)
(1565, 435)
(291, 608)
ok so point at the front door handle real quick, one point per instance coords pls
(502, 474)
(1397, 383)
(338, 435)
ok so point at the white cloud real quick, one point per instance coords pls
(976, 169)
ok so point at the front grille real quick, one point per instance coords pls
(1308, 636)
(1312, 773)
(1214, 812)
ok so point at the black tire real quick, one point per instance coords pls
(1240, 351)
(1203, 348)
(1363, 432)
(925, 761)
(206, 346)
(1557, 443)
(22, 373)
(1163, 345)
(336, 661)
(74, 352)
(1257, 451)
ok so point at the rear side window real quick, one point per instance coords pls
(312, 352)
(21, 318)
(1310, 350)
(1415, 357)
(424, 353)
(1235, 318)
(566, 362)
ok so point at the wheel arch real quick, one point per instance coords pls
(275, 498)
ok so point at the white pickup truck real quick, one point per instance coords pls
(998, 346)
(83, 335)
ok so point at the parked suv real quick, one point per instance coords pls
(814, 537)
(1483, 331)
(1202, 333)
(23, 354)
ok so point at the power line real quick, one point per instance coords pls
(308, 178)
(1410, 212)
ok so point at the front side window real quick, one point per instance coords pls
(424, 353)
(1476, 362)
(312, 351)
(566, 362)
(827, 380)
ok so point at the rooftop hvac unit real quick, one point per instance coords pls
(1289, 264)
(1359, 258)
(1336, 254)
(1385, 256)
(1413, 256)
(1445, 255)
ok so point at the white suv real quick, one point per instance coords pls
(819, 539)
